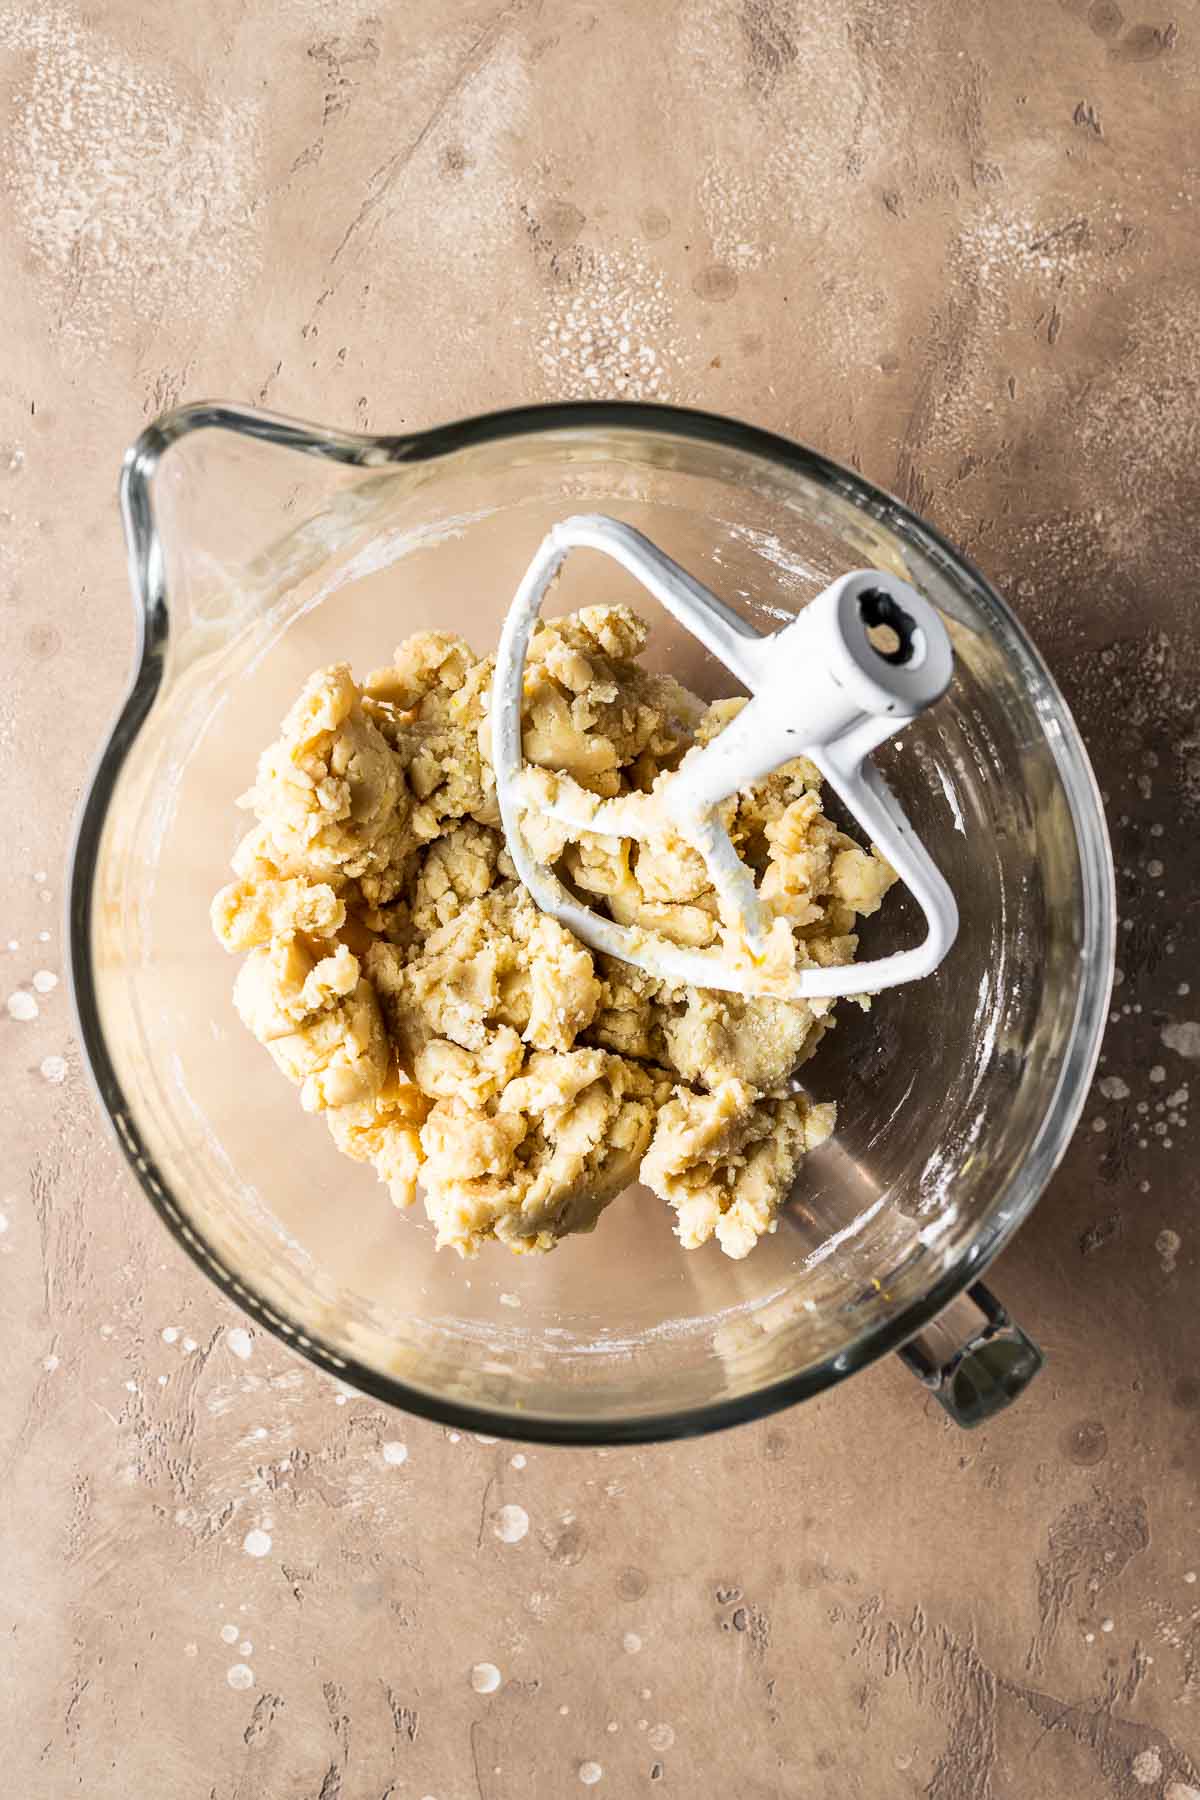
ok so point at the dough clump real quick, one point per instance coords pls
(463, 1043)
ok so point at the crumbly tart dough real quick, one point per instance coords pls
(463, 1043)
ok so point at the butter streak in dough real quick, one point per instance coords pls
(463, 1043)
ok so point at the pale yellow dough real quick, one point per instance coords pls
(465, 1044)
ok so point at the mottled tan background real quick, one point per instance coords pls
(954, 245)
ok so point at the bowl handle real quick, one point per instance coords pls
(973, 1358)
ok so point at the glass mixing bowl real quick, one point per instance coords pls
(260, 549)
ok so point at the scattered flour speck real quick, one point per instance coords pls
(1184, 1038)
(394, 1453)
(240, 1342)
(518, 1461)
(660, 1737)
(1168, 1244)
(54, 1069)
(1113, 1088)
(22, 1007)
(511, 1524)
(485, 1678)
(256, 1543)
(631, 1643)
(590, 1773)
(45, 981)
(229, 1634)
(1146, 1766)
(240, 1676)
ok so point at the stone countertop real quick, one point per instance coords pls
(952, 246)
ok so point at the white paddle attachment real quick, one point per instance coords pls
(866, 656)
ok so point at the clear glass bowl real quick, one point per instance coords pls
(260, 549)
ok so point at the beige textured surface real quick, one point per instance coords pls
(953, 245)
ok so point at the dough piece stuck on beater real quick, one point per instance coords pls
(463, 1043)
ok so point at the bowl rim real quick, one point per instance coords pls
(151, 601)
